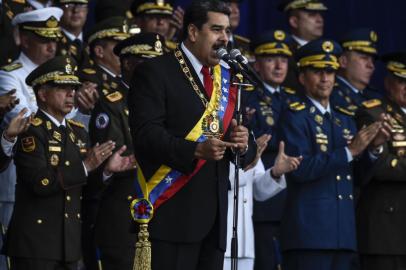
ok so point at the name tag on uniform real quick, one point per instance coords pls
(55, 149)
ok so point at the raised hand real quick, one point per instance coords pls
(98, 154)
(8, 102)
(262, 143)
(18, 125)
(86, 97)
(364, 137)
(119, 163)
(176, 22)
(284, 163)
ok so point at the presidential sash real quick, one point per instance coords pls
(166, 182)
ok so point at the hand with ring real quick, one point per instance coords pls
(98, 154)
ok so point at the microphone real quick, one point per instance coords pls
(243, 61)
(235, 66)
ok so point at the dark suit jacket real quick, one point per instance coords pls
(163, 109)
(382, 204)
(46, 222)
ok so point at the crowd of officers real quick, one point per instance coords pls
(67, 158)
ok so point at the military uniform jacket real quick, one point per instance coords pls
(46, 222)
(291, 80)
(109, 121)
(380, 212)
(319, 210)
(268, 108)
(163, 109)
(76, 49)
(347, 98)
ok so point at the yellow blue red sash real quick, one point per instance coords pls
(166, 182)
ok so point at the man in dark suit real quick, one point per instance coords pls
(318, 225)
(52, 164)
(177, 131)
(380, 213)
(109, 121)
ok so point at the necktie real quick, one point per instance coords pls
(63, 131)
(207, 80)
(78, 44)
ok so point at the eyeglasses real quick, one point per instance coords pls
(75, 6)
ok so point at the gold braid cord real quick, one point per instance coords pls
(142, 259)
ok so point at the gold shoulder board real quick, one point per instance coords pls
(78, 124)
(171, 45)
(296, 106)
(89, 71)
(36, 121)
(344, 111)
(371, 103)
(115, 96)
(11, 67)
(289, 90)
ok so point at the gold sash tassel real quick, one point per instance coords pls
(142, 259)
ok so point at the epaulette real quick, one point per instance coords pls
(115, 96)
(75, 123)
(344, 111)
(242, 39)
(297, 106)
(289, 90)
(171, 45)
(89, 71)
(11, 67)
(249, 88)
(36, 121)
(371, 103)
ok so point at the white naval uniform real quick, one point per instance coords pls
(254, 183)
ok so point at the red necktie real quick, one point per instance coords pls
(207, 80)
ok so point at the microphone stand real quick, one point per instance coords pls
(237, 157)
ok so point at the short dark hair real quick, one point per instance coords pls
(196, 13)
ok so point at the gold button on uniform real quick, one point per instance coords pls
(129, 197)
(66, 215)
(340, 197)
(45, 182)
(338, 178)
(67, 163)
(39, 221)
(68, 198)
(78, 215)
(351, 197)
(349, 177)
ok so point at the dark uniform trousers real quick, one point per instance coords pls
(44, 231)
(381, 208)
(189, 229)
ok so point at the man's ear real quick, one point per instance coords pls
(193, 32)
(293, 22)
(41, 95)
(343, 60)
(98, 51)
(302, 77)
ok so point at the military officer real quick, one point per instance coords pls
(9, 50)
(109, 121)
(380, 218)
(102, 39)
(52, 163)
(72, 23)
(271, 62)
(318, 224)
(357, 65)
(306, 23)
(159, 16)
(38, 31)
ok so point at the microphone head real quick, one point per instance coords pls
(236, 54)
(222, 54)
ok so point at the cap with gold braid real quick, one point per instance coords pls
(309, 5)
(320, 54)
(274, 42)
(58, 70)
(144, 45)
(362, 40)
(43, 22)
(151, 7)
(396, 63)
(115, 28)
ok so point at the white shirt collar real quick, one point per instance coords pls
(196, 64)
(272, 89)
(356, 91)
(319, 106)
(27, 63)
(39, 5)
(72, 36)
(299, 40)
(54, 120)
(107, 71)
